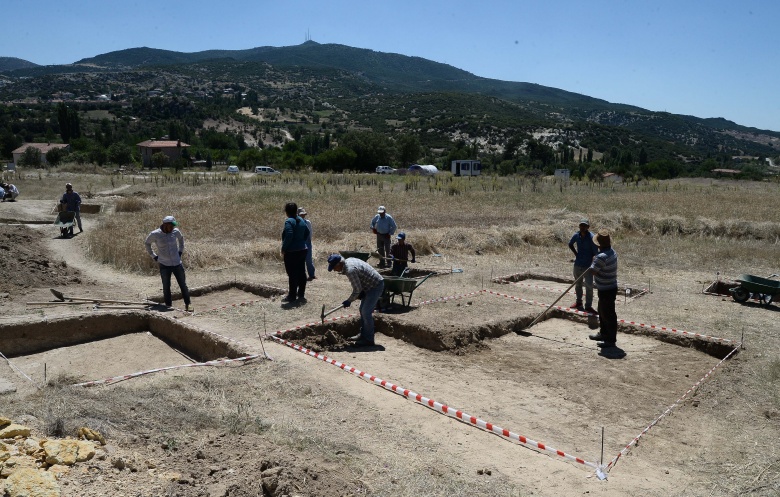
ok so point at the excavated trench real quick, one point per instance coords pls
(23, 340)
(333, 336)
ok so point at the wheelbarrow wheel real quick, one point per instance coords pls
(740, 295)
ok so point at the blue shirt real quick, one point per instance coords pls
(383, 225)
(606, 263)
(72, 201)
(586, 249)
(294, 235)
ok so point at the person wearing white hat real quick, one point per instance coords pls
(310, 252)
(383, 226)
(170, 245)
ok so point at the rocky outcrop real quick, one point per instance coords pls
(29, 466)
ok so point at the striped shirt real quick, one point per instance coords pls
(361, 275)
(605, 264)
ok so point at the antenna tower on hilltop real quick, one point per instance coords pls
(308, 36)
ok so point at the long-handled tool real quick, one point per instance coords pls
(559, 298)
(323, 314)
(426, 268)
(62, 298)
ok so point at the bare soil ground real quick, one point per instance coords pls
(296, 425)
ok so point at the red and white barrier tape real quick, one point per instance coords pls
(653, 327)
(438, 407)
(115, 379)
(667, 411)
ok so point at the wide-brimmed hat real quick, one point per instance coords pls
(603, 239)
(333, 261)
(381, 209)
(301, 211)
(170, 219)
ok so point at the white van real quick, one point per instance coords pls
(266, 170)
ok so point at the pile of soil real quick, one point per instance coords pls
(25, 265)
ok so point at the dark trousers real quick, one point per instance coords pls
(178, 272)
(398, 268)
(383, 247)
(295, 265)
(607, 315)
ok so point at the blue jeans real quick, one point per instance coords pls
(367, 306)
(310, 262)
(178, 272)
(588, 279)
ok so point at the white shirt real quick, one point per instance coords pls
(169, 246)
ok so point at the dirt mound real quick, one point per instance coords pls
(24, 264)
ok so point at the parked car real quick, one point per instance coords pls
(266, 170)
(385, 170)
(232, 170)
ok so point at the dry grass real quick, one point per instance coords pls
(237, 221)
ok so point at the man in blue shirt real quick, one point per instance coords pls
(604, 268)
(72, 202)
(383, 227)
(583, 257)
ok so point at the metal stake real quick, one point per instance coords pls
(602, 446)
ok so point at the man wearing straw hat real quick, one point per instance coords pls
(604, 269)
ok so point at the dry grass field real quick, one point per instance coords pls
(221, 428)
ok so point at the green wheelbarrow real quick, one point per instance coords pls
(762, 289)
(403, 287)
(363, 256)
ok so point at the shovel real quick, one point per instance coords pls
(324, 314)
(61, 297)
(559, 298)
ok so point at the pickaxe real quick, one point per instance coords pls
(62, 298)
(323, 314)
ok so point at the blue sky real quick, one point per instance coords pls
(707, 58)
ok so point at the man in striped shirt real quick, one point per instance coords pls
(368, 285)
(604, 269)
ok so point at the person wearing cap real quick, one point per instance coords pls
(71, 202)
(310, 250)
(383, 227)
(169, 243)
(294, 250)
(399, 254)
(10, 192)
(604, 269)
(584, 252)
(365, 281)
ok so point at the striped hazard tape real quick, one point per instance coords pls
(654, 327)
(439, 407)
(115, 379)
(633, 442)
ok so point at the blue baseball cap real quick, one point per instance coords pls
(333, 260)
(402, 236)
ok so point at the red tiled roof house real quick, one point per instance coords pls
(171, 148)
